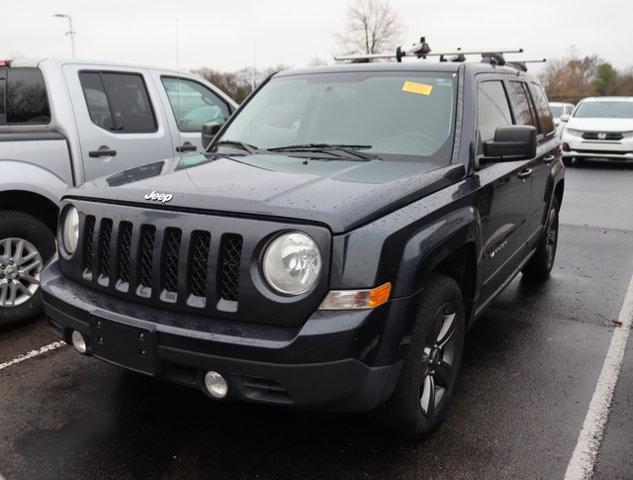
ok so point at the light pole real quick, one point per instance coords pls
(70, 31)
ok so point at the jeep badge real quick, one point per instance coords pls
(159, 197)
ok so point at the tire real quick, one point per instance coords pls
(411, 412)
(26, 243)
(541, 263)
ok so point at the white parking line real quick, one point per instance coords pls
(33, 353)
(583, 459)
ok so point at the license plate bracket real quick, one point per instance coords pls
(127, 346)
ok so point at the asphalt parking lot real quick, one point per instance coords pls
(531, 367)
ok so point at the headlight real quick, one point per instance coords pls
(571, 131)
(292, 263)
(627, 134)
(70, 230)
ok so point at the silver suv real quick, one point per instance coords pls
(63, 123)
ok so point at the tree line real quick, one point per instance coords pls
(574, 77)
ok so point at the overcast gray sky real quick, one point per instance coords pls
(230, 34)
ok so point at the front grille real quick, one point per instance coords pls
(602, 136)
(230, 267)
(168, 265)
(603, 152)
(171, 253)
(105, 238)
(125, 245)
(89, 230)
(200, 243)
(146, 255)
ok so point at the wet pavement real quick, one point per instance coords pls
(530, 369)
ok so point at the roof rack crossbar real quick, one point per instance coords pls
(422, 50)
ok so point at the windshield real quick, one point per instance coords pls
(610, 109)
(392, 115)
(557, 110)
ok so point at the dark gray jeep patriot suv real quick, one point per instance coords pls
(330, 248)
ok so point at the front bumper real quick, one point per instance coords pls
(321, 365)
(575, 146)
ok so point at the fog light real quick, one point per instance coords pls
(216, 385)
(79, 342)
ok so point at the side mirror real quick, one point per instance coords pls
(564, 118)
(209, 131)
(516, 142)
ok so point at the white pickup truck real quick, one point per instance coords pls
(63, 123)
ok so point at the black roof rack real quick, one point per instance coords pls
(423, 50)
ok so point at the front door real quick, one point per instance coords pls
(119, 118)
(504, 206)
(189, 105)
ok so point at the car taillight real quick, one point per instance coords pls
(5, 63)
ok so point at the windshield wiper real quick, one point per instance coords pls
(244, 146)
(326, 147)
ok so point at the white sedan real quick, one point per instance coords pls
(600, 128)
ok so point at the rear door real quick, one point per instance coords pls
(190, 103)
(506, 206)
(119, 116)
(548, 151)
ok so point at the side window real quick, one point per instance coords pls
(25, 98)
(118, 102)
(493, 110)
(547, 119)
(194, 104)
(521, 104)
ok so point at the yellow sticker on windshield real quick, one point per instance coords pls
(419, 88)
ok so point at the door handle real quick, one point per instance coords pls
(549, 158)
(103, 151)
(525, 173)
(186, 147)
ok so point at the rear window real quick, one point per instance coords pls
(118, 102)
(25, 101)
(521, 104)
(542, 106)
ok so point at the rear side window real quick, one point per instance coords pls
(521, 104)
(118, 102)
(493, 110)
(193, 104)
(542, 106)
(25, 101)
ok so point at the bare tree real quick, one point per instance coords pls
(372, 27)
(570, 78)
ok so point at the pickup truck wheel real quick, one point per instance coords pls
(422, 396)
(26, 243)
(541, 263)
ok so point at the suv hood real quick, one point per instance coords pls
(339, 193)
(601, 124)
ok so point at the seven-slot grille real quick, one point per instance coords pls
(165, 260)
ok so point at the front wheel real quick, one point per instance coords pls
(26, 243)
(422, 396)
(541, 263)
